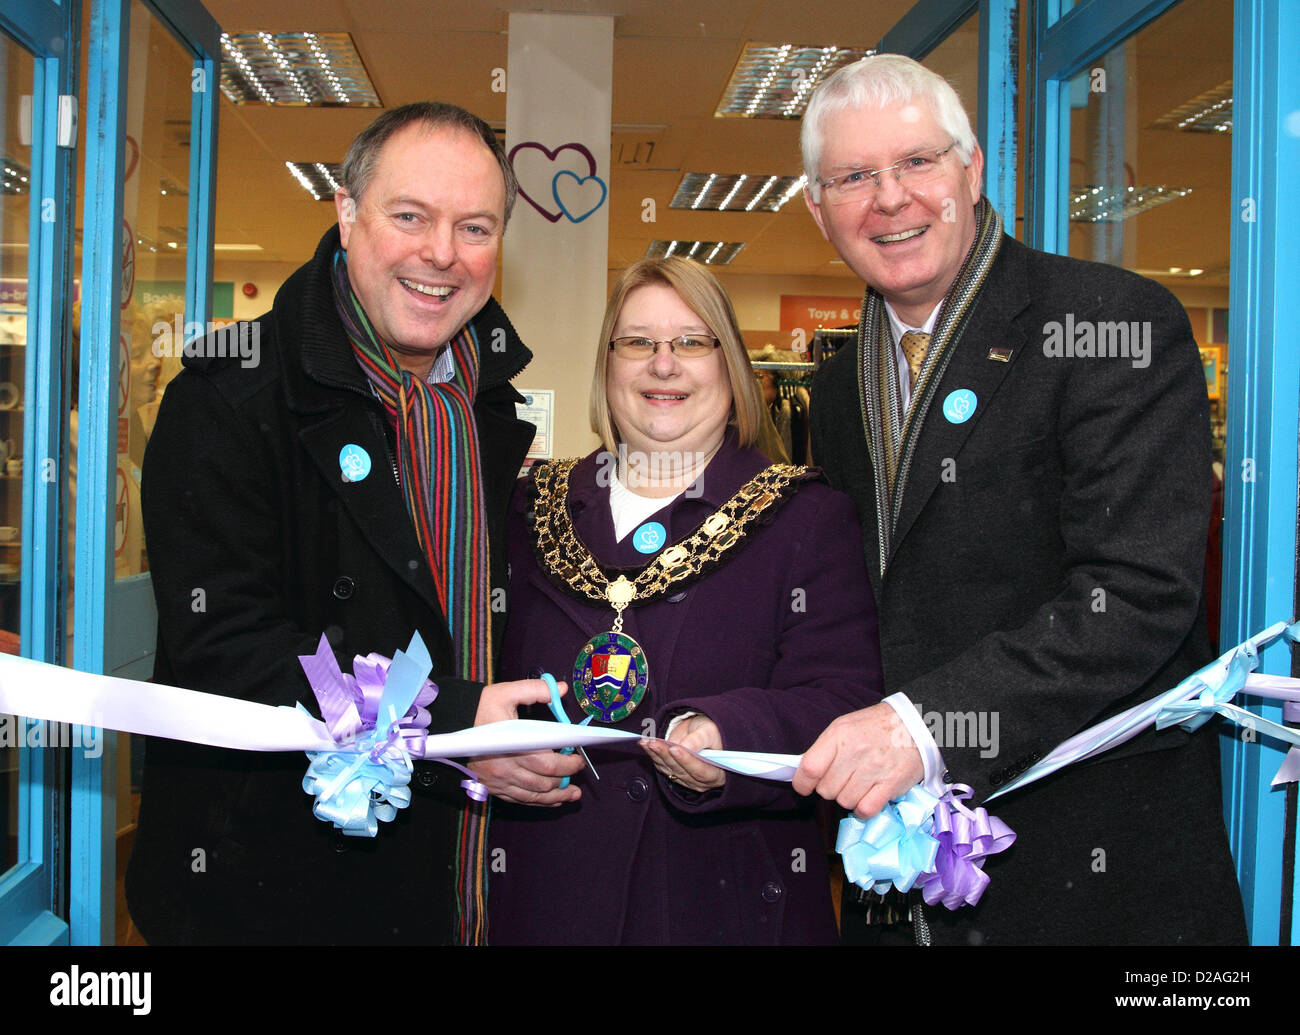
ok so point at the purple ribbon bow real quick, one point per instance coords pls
(966, 838)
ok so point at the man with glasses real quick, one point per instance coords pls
(1026, 438)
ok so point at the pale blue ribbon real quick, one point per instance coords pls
(368, 779)
(1192, 713)
(892, 848)
(942, 847)
(356, 792)
(1216, 684)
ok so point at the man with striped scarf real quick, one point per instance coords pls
(354, 482)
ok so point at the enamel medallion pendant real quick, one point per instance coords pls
(610, 676)
(611, 673)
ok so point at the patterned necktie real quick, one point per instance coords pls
(914, 345)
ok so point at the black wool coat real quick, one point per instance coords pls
(257, 546)
(1045, 572)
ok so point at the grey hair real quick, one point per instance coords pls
(363, 156)
(878, 81)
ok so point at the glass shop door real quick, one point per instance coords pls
(1162, 140)
(37, 137)
(150, 165)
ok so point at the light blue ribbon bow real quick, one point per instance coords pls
(368, 779)
(1216, 697)
(356, 792)
(894, 847)
(1221, 681)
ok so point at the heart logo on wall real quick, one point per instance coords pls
(574, 194)
(576, 197)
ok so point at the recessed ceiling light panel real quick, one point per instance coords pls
(319, 69)
(743, 192)
(1209, 112)
(711, 253)
(775, 80)
(1096, 204)
(319, 179)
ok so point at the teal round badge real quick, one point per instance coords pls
(354, 462)
(650, 537)
(960, 405)
(610, 676)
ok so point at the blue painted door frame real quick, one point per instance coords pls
(1264, 384)
(927, 24)
(1259, 548)
(32, 910)
(93, 781)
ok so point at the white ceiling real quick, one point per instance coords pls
(671, 62)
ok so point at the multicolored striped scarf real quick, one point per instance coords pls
(441, 477)
(891, 433)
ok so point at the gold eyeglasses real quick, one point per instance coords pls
(688, 346)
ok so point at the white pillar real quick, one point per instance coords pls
(556, 251)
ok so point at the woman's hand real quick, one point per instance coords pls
(675, 761)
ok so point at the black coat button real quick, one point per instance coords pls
(772, 892)
(638, 789)
(426, 777)
(344, 587)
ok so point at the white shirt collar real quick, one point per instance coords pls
(443, 369)
(899, 328)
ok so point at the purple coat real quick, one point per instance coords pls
(772, 646)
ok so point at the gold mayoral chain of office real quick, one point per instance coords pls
(612, 673)
(566, 559)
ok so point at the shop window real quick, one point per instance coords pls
(1150, 184)
(17, 69)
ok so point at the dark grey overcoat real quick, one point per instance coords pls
(1046, 571)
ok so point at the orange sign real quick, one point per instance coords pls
(808, 312)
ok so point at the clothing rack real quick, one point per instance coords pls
(828, 340)
(789, 411)
(782, 365)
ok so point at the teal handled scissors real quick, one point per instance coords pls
(557, 709)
